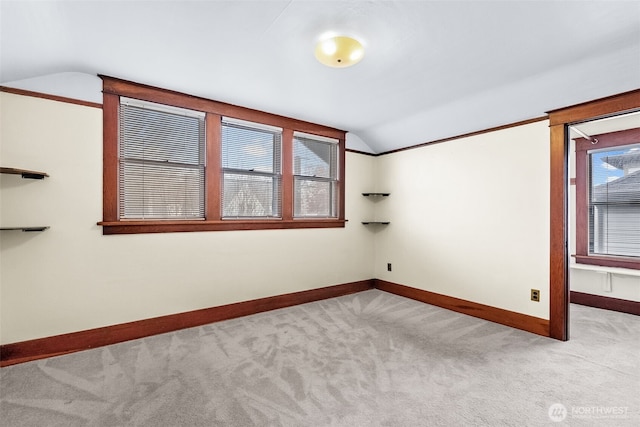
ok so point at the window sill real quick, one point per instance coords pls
(612, 270)
(171, 226)
(603, 262)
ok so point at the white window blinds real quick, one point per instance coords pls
(614, 201)
(315, 169)
(161, 162)
(251, 169)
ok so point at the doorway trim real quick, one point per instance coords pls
(558, 255)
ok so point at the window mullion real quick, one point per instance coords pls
(213, 174)
(287, 174)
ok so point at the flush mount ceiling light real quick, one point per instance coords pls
(339, 51)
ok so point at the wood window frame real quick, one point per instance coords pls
(559, 120)
(582, 255)
(113, 88)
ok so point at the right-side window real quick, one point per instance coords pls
(315, 171)
(614, 201)
(608, 200)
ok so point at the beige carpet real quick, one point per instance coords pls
(368, 359)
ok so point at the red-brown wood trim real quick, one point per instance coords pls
(111, 106)
(213, 174)
(582, 211)
(602, 107)
(607, 303)
(114, 88)
(341, 177)
(139, 227)
(50, 97)
(466, 135)
(559, 119)
(41, 348)
(178, 99)
(350, 150)
(609, 140)
(608, 261)
(521, 321)
(558, 276)
(287, 175)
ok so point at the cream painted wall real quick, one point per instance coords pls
(72, 278)
(618, 285)
(470, 218)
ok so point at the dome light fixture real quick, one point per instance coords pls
(339, 51)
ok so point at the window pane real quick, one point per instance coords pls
(250, 149)
(614, 201)
(250, 196)
(161, 172)
(314, 158)
(314, 198)
(161, 191)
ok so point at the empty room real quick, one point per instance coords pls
(319, 213)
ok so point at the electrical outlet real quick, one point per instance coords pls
(535, 295)
(388, 266)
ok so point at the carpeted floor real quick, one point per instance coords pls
(367, 359)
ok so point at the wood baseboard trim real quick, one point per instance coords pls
(25, 351)
(607, 303)
(521, 321)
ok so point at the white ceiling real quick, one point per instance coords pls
(432, 69)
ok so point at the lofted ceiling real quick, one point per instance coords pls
(432, 69)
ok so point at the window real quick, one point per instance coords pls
(315, 167)
(608, 200)
(251, 170)
(175, 163)
(161, 162)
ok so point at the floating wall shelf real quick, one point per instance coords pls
(28, 174)
(376, 222)
(376, 194)
(36, 228)
(24, 173)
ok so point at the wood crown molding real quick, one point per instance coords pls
(25, 351)
(467, 135)
(49, 97)
(521, 321)
(350, 150)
